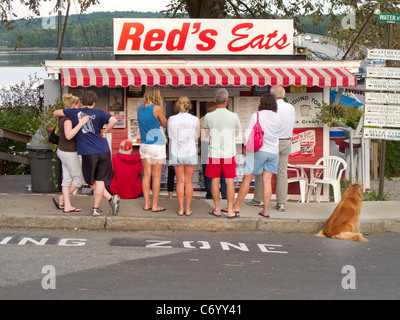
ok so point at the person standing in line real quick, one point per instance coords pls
(223, 126)
(152, 146)
(92, 145)
(72, 177)
(264, 162)
(288, 117)
(127, 168)
(183, 132)
(204, 143)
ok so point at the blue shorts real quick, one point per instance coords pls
(189, 161)
(257, 162)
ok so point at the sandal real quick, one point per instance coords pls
(212, 212)
(59, 207)
(262, 215)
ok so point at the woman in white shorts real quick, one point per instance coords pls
(152, 146)
(266, 159)
(183, 132)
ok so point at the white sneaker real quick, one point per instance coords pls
(255, 203)
(96, 212)
(114, 204)
(280, 207)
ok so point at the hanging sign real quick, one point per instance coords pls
(203, 36)
(384, 134)
(384, 110)
(382, 98)
(383, 54)
(382, 84)
(392, 73)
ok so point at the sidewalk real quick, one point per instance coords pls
(20, 208)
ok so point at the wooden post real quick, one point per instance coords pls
(383, 144)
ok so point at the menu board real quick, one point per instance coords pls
(245, 107)
(133, 126)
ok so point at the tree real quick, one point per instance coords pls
(8, 16)
(337, 11)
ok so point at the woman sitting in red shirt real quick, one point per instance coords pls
(127, 169)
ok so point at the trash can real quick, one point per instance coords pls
(41, 158)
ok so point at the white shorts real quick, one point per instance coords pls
(153, 152)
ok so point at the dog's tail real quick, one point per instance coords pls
(350, 236)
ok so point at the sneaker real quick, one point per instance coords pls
(255, 203)
(280, 207)
(114, 204)
(96, 212)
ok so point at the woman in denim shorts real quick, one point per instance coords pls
(183, 132)
(266, 159)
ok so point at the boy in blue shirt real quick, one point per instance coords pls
(94, 149)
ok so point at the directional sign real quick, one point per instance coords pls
(376, 109)
(382, 121)
(382, 84)
(383, 54)
(389, 17)
(382, 98)
(392, 73)
(385, 134)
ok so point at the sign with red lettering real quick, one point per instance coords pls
(203, 36)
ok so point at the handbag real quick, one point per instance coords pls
(53, 137)
(255, 141)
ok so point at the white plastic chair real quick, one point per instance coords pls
(330, 175)
(301, 178)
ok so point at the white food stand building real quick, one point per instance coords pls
(193, 57)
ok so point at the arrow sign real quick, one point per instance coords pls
(383, 54)
(392, 73)
(382, 84)
(382, 98)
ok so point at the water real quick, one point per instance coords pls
(17, 66)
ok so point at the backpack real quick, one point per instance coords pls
(255, 141)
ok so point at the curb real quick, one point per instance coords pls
(178, 224)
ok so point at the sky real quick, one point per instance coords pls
(105, 5)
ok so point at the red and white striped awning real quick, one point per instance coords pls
(225, 76)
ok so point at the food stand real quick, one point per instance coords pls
(193, 57)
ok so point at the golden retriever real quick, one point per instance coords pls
(344, 223)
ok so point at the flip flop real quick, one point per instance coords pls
(212, 212)
(235, 216)
(163, 209)
(261, 214)
(226, 210)
(147, 209)
(73, 210)
(58, 207)
(188, 214)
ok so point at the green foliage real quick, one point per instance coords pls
(20, 111)
(19, 107)
(373, 196)
(94, 30)
(392, 161)
(334, 115)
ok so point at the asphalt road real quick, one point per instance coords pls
(328, 49)
(63, 265)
